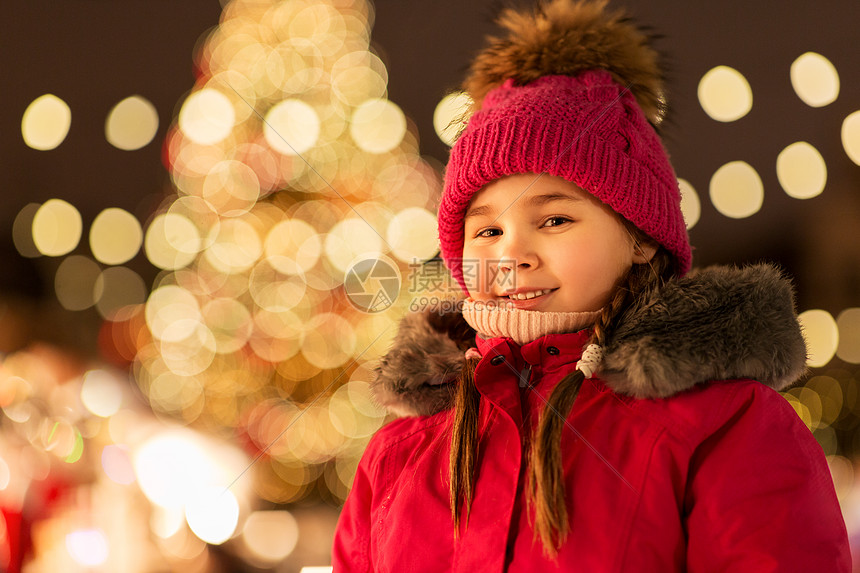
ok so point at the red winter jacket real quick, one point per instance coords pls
(674, 461)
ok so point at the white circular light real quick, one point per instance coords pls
(207, 117)
(213, 514)
(815, 79)
(412, 235)
(291, 127)
(101, 393)
(801, 170)
(736, 190)
(377, 125)
(725, 94)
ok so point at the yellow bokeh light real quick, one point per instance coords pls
(231, 188)
(815, 79)
(292, 246)
(46, 122)
(725, 94)
(172, 313)
(412, 235)
(75, 282)
(230, 323)
(116, 288)
(691, 206)
(377, 125)
(190, 355)
(851, 136)
(132, 123)
(848, 323)
(207, 117)
(101, 393)
(22, 231)
(821, 334)
(329, 341)
(270, 535)
(115, 236)
(450, 116)
(291, 127)
(172, 241)
(350, 239)
(357, 76)
(801, 170)
(57, 228)
(236, 247)
(736, 190)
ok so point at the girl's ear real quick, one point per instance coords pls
(643, 252)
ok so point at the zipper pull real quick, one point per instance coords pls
(525, 375)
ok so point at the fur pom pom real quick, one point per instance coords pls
(565, 37)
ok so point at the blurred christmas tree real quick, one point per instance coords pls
(290, 167)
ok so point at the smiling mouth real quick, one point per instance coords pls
(529, 295)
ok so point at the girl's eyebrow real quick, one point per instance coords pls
(533, 201)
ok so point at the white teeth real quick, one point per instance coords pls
(528, 295)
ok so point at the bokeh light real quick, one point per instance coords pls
(57, 228)
(46, 122)
(117, 465)
(88, 547)
(691, 206)
(725, 94)
(848, 323)
(736, 190)
(101, 392)
(377, 125)
(116, 288)
(172, 241)
(213, 514)
(74, 282)
(412, 235)
(291, 127)
(814, 79)
(821, 334)
(851, 136)
(132, 123)
(270, 535)
(115, 236)
(450, 116)
(22, 231)
(207, 117)
(801, 170)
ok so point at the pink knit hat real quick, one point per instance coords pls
(586, 127)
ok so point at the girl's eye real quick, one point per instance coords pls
(562, 219)
(483, 232)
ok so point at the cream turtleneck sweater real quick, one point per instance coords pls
(492, 320)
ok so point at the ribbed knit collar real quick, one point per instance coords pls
(522, 326)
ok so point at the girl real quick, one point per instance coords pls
(610, 412)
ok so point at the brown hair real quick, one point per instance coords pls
(546, 492)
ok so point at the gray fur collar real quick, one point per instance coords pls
(718, 323)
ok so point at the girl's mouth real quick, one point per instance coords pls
(527, 300)
(529, 295)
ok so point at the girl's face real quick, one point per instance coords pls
(542, 235)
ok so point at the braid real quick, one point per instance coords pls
(546, 470)
(546, 486)
(464, 442)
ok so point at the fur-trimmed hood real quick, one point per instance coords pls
(718, 323)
